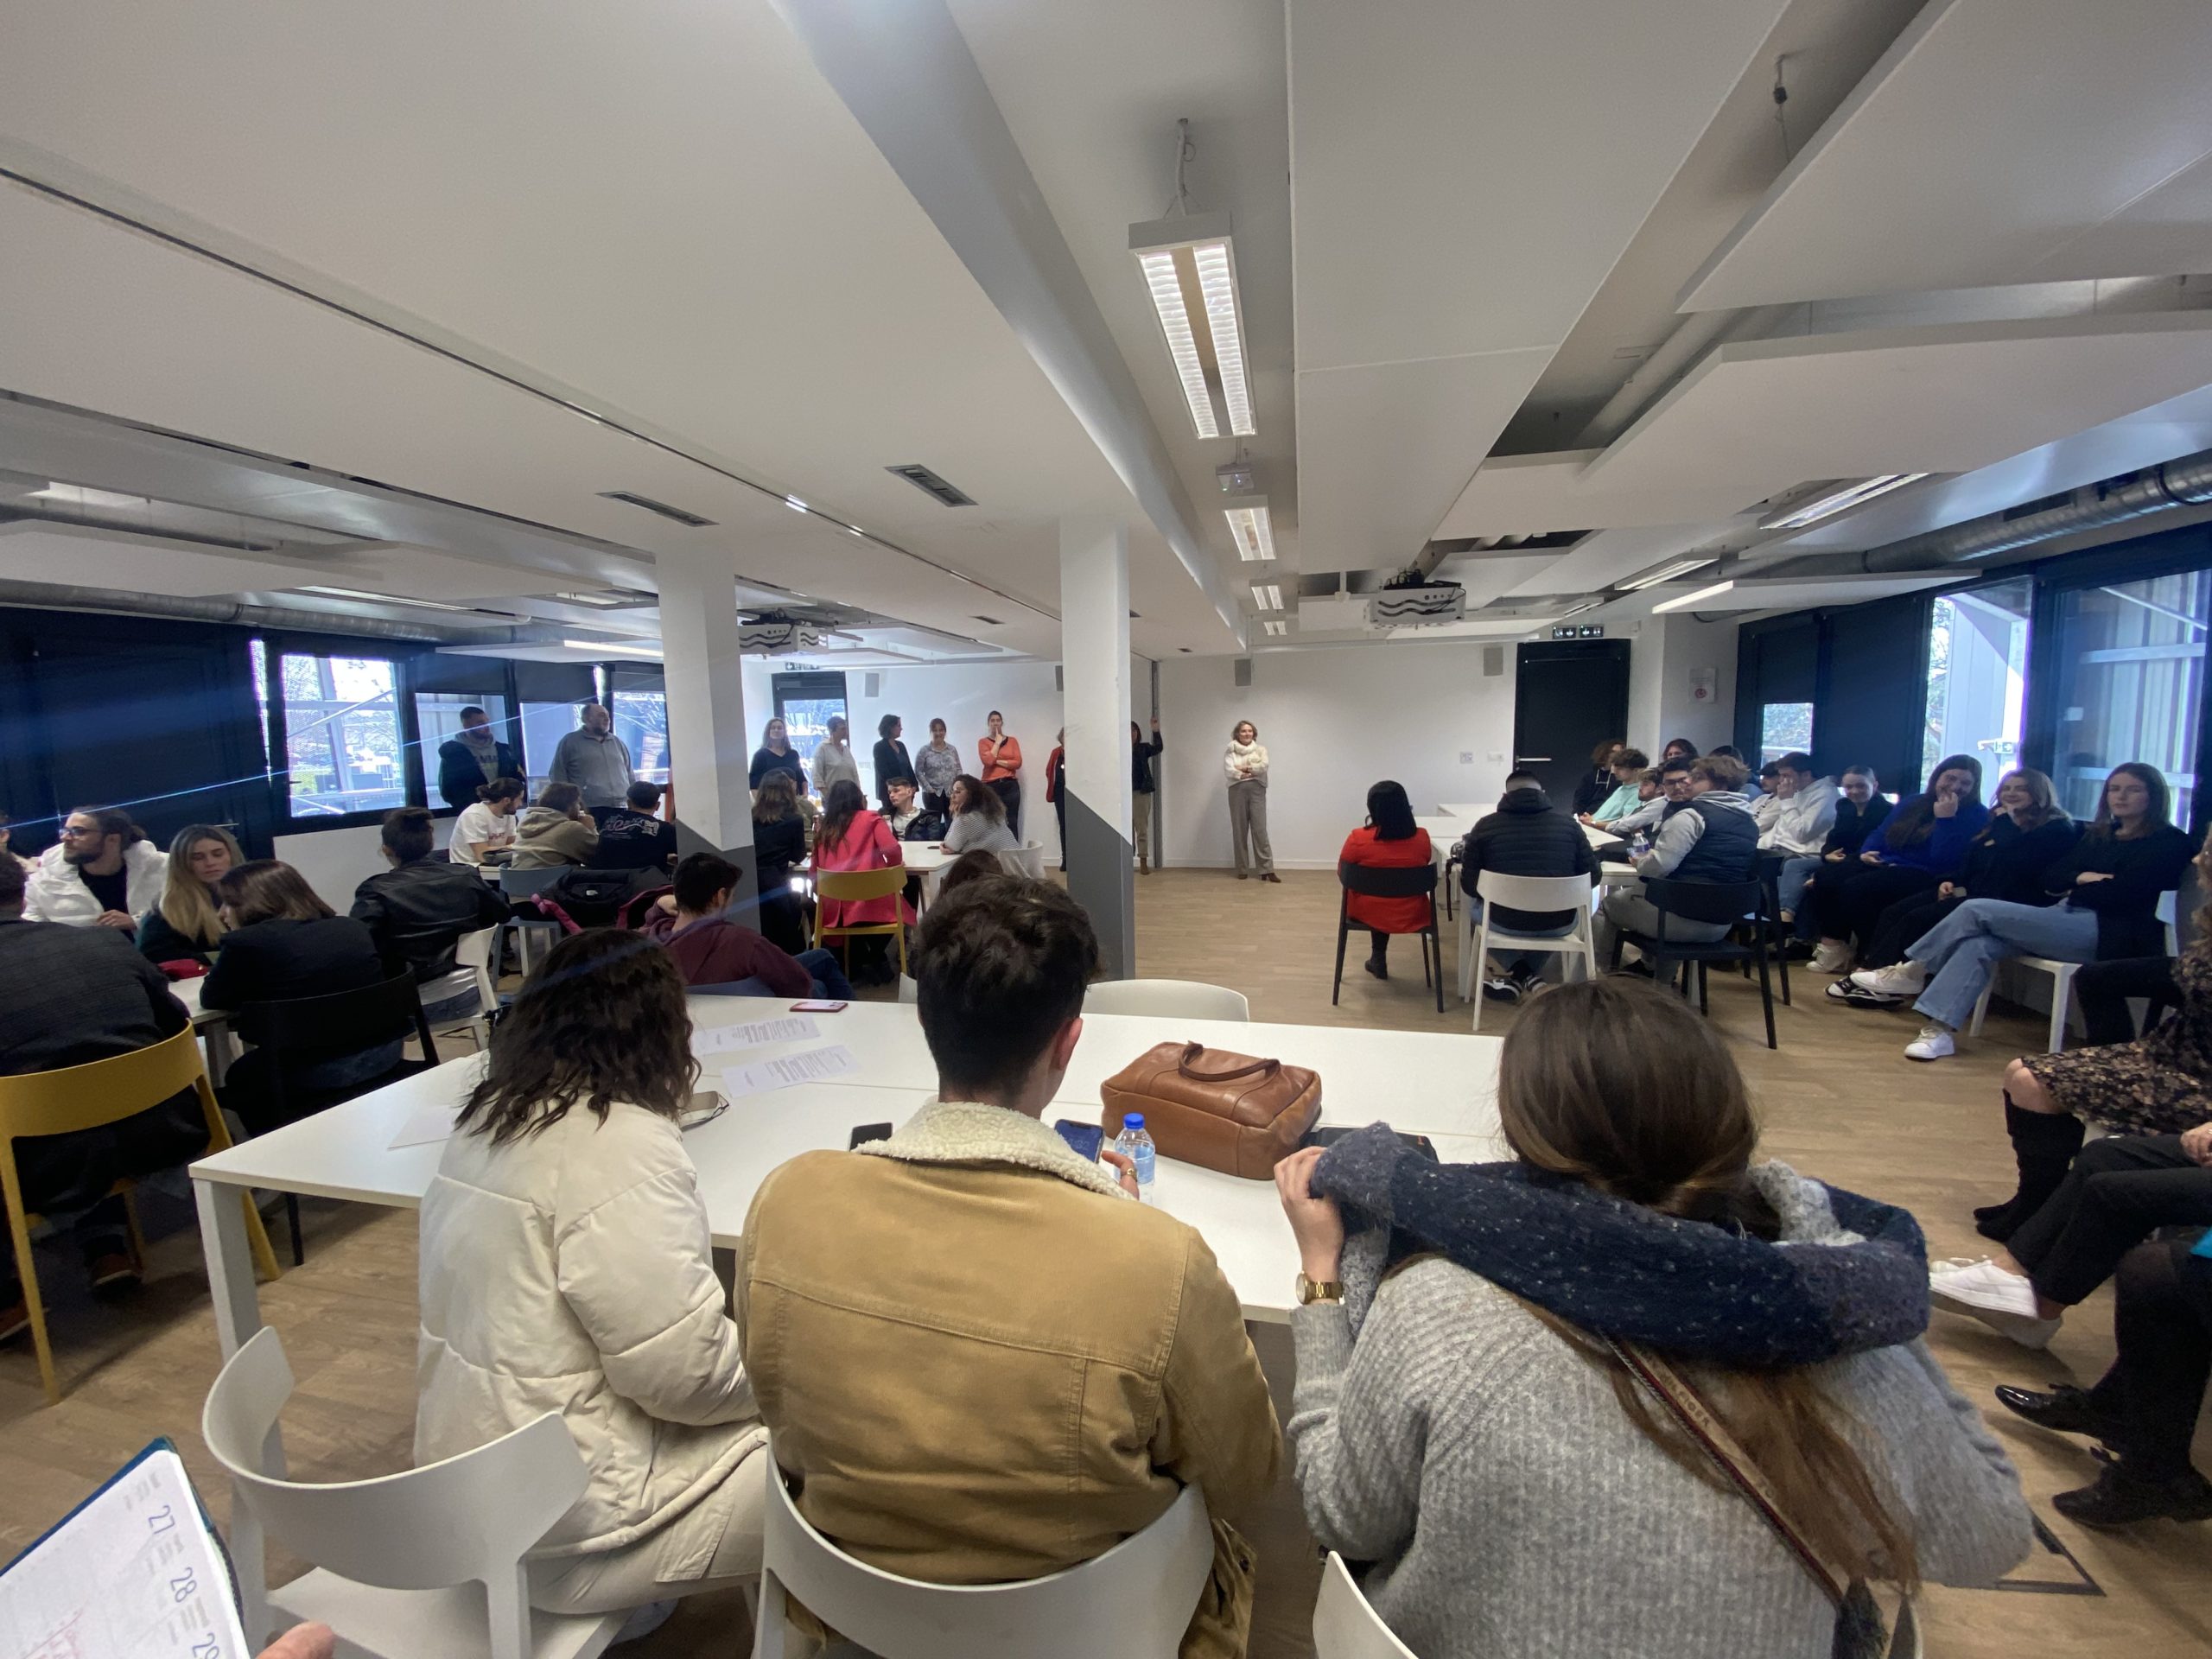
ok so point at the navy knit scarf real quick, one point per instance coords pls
(1618, 1269)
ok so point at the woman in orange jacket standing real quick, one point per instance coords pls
(1001, 759)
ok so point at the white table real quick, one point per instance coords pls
(1468, 811)
(1440, 1085)
(213, 1025)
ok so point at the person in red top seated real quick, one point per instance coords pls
(852, 836)
(1389, 840)
(711, 950)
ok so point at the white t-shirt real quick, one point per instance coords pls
(477, 822)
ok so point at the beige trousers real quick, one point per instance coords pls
(619, 1579)
(1141, 827)
(1247, 822)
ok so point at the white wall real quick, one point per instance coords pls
(1334, 721)
(335, 862)
(1670, 656)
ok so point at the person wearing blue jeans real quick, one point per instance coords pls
(2111, 882)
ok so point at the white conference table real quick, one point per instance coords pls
(213, 1025)
(1442, 1085)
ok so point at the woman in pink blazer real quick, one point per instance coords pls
(851, 836)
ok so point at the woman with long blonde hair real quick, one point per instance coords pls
(1480, 1410)
(184, 926)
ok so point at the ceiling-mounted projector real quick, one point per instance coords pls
(1414, 602)
(775, 634)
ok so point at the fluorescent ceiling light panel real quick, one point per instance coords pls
(1267, 595)
(1665, 573)
(1842, 501)
(1248, 524)
(1194, 254)
(1586, 604)
(795, 503)
(383, 598)
(604, 601)
(1276, 630)
(1690, 599)
(620, 650)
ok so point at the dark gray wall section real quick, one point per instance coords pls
(1102, 879)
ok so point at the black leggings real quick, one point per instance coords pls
(1847, 899)
(1900, 925)
(2105, 987)
(2120, 1191)
(2155, 1388)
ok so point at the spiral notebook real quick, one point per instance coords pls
(134, 1572)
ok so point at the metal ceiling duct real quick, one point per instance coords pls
(2169, 487)
(57, 596)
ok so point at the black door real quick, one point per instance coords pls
(1567, 695)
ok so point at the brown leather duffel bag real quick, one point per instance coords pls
(1217, 1110)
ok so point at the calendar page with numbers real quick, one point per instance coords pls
(135, 1571)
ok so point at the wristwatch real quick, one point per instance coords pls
(1313, 1290)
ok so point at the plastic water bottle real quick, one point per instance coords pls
(1135, 1143)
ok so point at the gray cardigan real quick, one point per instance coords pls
(1514, 1512)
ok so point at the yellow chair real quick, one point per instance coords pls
(851, 886)
(89, 1097)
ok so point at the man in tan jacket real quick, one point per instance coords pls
(981, 1359)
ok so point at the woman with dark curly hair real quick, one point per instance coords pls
(565, 1268)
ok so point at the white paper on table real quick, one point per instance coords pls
(810, 1066)
(432, 1120)
(754, 1034)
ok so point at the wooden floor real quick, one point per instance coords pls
(1838, 1099)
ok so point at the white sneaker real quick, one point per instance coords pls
(1904, 979)
(2004, 1302)
(1933, 1043)
(1830, 957)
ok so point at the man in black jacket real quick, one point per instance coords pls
(76, 995)
(418, 909)
(633, 835)
(473, 758)
(1527, 835)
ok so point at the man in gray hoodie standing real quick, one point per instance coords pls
(593, 759)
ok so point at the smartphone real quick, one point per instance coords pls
(1085, 1138)
(1328, 1135)
(703, 1108)
(812, 1006)
(864, 1132)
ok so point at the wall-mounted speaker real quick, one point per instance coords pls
(1493, 662)
(1060, 678)
(1243, 671)
(871, 686)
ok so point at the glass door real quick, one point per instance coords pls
(2131, 684)
(1977, 678)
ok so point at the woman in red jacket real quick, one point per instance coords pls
(1389, 840)
(851, 836)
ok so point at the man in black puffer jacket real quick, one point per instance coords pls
(1527, 835)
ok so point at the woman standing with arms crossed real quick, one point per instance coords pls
(936, 765)
(1001, 758)
(1246, 763)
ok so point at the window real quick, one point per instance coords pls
(341, 735)
(641, 721)
(437, 717)
(1977, 677)
(543, 726)
(1784, 726)
(2131, 684)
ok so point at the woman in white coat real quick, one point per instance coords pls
(565, 1267)
(1246, 763)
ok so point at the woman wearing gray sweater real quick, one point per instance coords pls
(1463, 1419)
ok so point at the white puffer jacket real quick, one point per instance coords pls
(1800, 824)
(571, 1271)
(56, 892)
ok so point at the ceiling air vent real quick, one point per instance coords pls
(661, 507)
(931, 485)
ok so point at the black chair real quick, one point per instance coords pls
(1371, 883)
(1723, 903)
(1769, 876)
(302, 1030)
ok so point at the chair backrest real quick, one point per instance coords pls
(468, 1519)
(1344, 1626)
(1028, 860)
(475, 952)
(1134, 1602)
(1703, 901)
(520, 884)
(99, 1091)
(1408, 883)
(342, 1022)
(1186, 999)
(1533, 892)
(856, 885)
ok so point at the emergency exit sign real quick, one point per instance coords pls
(1585, 631)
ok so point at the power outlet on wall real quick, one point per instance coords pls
(1466, 757)
(1496, 755)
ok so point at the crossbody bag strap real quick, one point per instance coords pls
(1688, 1407)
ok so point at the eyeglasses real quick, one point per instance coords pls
(70, 832)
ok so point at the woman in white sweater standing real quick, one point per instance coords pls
(1479, 1409)
(565, 1268)
(1246, 763)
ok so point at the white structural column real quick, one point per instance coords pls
(707, 752)
(1095, 675)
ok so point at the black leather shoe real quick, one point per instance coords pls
(2119, 1499)
(2065, 1409)
(1375, 966)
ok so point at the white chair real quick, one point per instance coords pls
(1026, 860)
(1185, 999)
(1134, 1602)
(473, 951)
(1344, 1626)
(2061, 982)
(426, 1561)
(1526, 892)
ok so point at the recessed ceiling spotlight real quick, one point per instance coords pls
(795, 503)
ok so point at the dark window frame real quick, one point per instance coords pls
(276, 647)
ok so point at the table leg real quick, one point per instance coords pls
(230, 1262)
(222, 1048)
